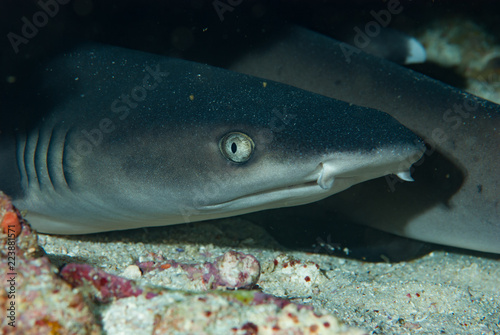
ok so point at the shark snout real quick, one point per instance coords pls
(341, 171)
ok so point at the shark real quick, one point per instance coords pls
(106, 138)
(455, 199)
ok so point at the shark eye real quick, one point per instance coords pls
(237, 147)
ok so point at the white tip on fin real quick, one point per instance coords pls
(416, 52)
(406, 176)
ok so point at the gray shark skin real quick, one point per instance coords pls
(455, 199)
(120, 139)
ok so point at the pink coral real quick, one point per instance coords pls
(105, 286)
(37, 301)
(233, 270)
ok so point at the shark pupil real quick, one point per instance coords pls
(236, 147)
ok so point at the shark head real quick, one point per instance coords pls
(251, 152)
(320, 147)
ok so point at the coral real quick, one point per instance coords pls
(306, 277)
(233, 270)
(103, 286)
(34, 298)
(11, 224)
(216, 313)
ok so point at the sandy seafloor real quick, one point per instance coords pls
(439, 293)
(442, 292)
